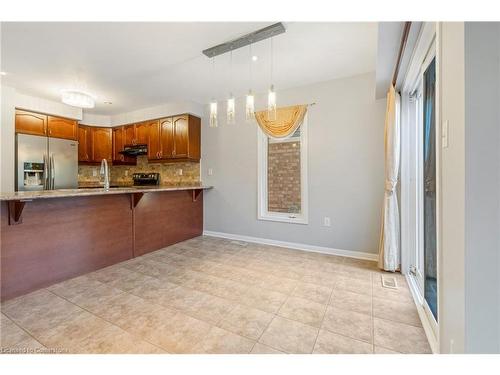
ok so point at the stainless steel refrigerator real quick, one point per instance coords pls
(44, 163)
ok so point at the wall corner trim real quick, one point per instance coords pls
(294, 245)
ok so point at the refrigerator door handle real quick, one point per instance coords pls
(52, 172)
(45, 172)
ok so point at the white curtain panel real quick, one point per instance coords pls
(389, 251)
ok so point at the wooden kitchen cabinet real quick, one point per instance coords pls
(101, 144)
(59, 127)
(94, 144)
(118, 142)
(178, 138)
(129, 134)
(31, 123)
(142, 133)
(84, 140)
(154, 140)
(181, 137)
(166, 138)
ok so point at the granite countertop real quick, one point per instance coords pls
(64, 193)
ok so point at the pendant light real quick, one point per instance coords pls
(250, 99)
(230, 100)
(271, 96)
(213, 102)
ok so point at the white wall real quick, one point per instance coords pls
(482, 186)
(450, 58)
(167, 109)
(346, 168)
(469, 317)
(11, 99)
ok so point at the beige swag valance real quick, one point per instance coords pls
(288, 119)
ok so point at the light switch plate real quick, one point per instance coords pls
(326, 221)
(210, 171)
(444, 134)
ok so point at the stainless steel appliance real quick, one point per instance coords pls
(146, 179)
(44, 163)
(134, 150)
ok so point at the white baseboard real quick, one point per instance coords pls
(424, 319)
(293, 245)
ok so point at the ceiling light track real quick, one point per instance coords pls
(254, 37)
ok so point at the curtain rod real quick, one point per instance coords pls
(402, 46)
(307, 104)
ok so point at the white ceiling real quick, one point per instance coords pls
(138, 65)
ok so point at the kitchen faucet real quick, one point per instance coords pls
(105, 171)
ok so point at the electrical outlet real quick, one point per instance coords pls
(210, 171)
(179, 172)
(327, 221)
(94, 172)
(126, 173)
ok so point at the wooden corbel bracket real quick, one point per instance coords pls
(16, 211)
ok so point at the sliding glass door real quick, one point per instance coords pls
(429, 187)
(421, 192)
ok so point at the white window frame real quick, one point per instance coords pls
(262, 196)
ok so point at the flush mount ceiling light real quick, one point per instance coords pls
(77, 98)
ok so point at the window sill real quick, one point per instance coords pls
(284, 218)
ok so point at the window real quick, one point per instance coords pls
(282, 177)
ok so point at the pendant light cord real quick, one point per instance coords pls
(250, 59)
(272, 60)
(231, 72)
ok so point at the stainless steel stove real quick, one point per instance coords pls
(146, 179)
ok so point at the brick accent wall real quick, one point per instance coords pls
(283, 177)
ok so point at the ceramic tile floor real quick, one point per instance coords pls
(211, 295)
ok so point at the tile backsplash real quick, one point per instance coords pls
(122, 174)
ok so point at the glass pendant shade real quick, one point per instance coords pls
(271, 104)
(213, 114)
(250, 106)
(230, 110)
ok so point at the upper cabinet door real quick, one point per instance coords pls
(181, 136)
(142, 133)
(83, 143)
(166, 138)
(118, 138)
(129, 131)
(61, 128)
(31, 123)
(154, 140)
(101, 144)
